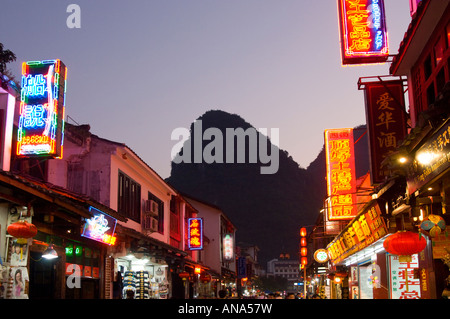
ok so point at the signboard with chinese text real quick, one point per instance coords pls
(364, 230)
(341, 179)
(432, 158)
(228, 247)
(41, 115)
(100, 227)
(195, 233)
(363, 31)
(402, 282)
(386, 122)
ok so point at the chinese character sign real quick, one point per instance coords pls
(402, 282)
(341, 179)
(41, 115)
(363, 31)
(386, 122)
(100, 227)
(364, 230)
(195, 233)
(228, 243)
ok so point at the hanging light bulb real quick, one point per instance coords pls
(50, 253)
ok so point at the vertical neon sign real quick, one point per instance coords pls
(341, 179)
(41, 115)
(363, 31)
(195, 229)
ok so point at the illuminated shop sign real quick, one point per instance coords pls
(341, 180)
(363, 31)
(195, 229)
(228, 250)
(364, 230)
(41, 115)
(386, 122)
(100, 227)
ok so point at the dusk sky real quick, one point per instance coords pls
(139, 69)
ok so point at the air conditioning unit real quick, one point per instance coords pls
(149, 223)
(151, 207)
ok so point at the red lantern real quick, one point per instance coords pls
(404, 244)
(205, 277)
(303, 241)
(22, 230)
(303, 251)
(304, 261)
(303, 231)
(184, 275)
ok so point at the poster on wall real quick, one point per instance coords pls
(402, 284)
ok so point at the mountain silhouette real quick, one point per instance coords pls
(268, 210)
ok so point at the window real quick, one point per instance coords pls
(160, 212)
(427, 67)
(438, 52)
(129, 201)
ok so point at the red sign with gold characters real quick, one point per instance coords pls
(341, 179)
(363, 31)
(364, 230)
(195, 235)
(386, 122)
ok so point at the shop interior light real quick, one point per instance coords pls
(50, 253)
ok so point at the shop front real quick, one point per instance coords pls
(358, 257)
(428, 187)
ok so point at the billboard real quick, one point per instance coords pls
(341, 179)
(363, 31)
(41, 115)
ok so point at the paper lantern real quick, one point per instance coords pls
(303, 251)
(433, 225)
(183, 275)
(303, 232)
(304, 261)
(22, 230)
(205, 277)
(404, 244)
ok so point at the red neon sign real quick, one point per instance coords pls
(341, 180)
(195, 237)
(363, 31)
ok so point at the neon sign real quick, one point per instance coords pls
(341, 180)
(101, 227)
(363, 31)
(228, 247)
(195, 236)
(42, 101)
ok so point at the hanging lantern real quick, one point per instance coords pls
(433, 225)
(404, 244)
(22, 230)
(205, 277)
(303, 232)
(303, 251)
(184, 275)
(304, 261)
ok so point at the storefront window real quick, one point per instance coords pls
(142, 278)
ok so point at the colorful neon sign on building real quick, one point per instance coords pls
(341, 180)
(41, 115)
(195, 233)
(363, 31)
(100, 227)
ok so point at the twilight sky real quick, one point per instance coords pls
(139, 69)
